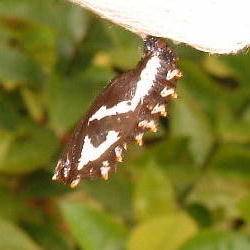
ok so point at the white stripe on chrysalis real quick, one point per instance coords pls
(91, 153)
(146, 82)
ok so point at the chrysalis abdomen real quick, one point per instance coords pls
(130, 105)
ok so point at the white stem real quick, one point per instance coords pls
(215, 26)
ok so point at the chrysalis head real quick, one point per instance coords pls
(155, 46)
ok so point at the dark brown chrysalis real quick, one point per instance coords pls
(128, 107)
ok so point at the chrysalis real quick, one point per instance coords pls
(129, 106)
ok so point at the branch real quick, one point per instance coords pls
(215, 26)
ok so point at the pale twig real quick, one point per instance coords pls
(215, 26)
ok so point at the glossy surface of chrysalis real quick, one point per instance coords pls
(128, 107)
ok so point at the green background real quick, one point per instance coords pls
(187, 188)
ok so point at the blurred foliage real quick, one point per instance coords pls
(187, 188)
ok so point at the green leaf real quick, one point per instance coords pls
(68, 99)
(13, 238)
(17, 67)
(33, 104)
(200, 213)
(29, 151)
(121, 47)
(173, 150)
(244, 207)
(216, 67)
(220, 195)
(9, 204)
(5, 36)
(94, 45)
(92, 229)
(9, 112)
(49, 237)
(153, 193)
(231, 127)
(232, 160)
(187, 119)
(6, 140)
(76, 22)
(200, 86)
(125, 51)
(239, 65)
(217, 241)
(118, 189)
(60, 34)
(36, 40)
(165, 232)
(246, 115)
(43, 12)
(39, 184)
(175, 159)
